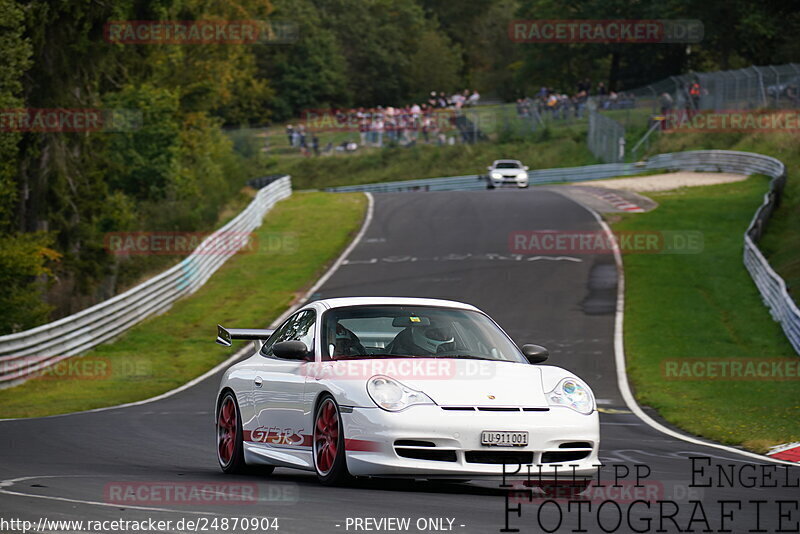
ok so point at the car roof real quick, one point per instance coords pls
(341, 302)
(506, 161)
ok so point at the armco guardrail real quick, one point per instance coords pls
(770, 285)
(475, 181)
(24, 353)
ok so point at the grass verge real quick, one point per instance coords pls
(693, 306)
(781, 242)
(294, 245)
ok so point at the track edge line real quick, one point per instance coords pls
(619, 360)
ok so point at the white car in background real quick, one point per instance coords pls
(507, 171)
(402, 387)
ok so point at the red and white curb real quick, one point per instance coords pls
(789, 452)
(620, 203)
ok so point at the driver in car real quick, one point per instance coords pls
(347, 343)
(420, 340)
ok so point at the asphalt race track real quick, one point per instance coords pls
(451, 245)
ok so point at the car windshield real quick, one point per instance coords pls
(507, 165)
(413, 332)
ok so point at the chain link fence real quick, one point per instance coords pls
(772, 86)
(753, 88)
(606, 138)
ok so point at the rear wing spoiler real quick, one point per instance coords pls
(226, 335)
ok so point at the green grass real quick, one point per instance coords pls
(249, 291)
(389, 164)
(781, 243)
(706, 306)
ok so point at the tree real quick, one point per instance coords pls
(308, 73)
(436, 65)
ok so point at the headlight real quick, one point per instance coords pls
(523, 176)
(393, 396)
(497, 176)
(572, 394)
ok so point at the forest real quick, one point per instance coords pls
(172, 165)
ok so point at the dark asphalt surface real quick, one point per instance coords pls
(446, 245)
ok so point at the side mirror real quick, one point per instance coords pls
(488, 168)
(290, 350)
(525, 167)
(535, 353)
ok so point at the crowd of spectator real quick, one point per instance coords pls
(427, 122)
(438, 120)
(560, 105)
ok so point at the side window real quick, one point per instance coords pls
(299, 327)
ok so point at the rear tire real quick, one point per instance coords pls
(230, 444)
(230, 449)
(328, 442)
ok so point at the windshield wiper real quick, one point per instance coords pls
(373, 356)
(401, 356)
(462, 357)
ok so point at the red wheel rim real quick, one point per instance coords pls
(326, 437)
(226, 430)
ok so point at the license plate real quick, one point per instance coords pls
(504, 439)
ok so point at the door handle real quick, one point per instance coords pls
(258, 381)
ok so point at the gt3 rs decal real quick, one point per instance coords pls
(295, 438)
(278, 436)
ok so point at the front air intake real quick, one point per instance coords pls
(557, 457)
(499, 457)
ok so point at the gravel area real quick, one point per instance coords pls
(667, 181)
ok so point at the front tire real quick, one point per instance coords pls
(328, 444)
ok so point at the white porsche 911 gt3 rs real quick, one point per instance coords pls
(410, 387)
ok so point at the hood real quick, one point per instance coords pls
(510, 172)
(457, 382)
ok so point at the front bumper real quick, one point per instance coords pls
(519, 182)
(373, 434)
